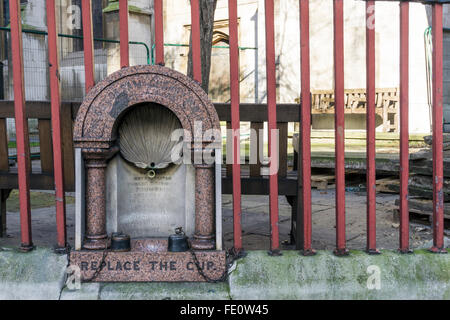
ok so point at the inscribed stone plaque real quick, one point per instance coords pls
(149, 207)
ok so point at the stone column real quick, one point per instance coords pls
(204, 238)
(96, 162)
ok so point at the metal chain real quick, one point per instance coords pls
(231, 257)
(102, 262)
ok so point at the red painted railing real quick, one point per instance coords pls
(305, 141)
(272, 124)
(235, 123)
(404, 128)
(370, 126)
(159, 32)
(438, 166)
(56, 125)
(304, 220)
(123, 27)
(195, 38)
(339, 124)
(88, 44)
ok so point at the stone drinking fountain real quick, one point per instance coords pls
(127, 181)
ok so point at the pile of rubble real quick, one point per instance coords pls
(421, 179)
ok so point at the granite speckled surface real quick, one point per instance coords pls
(95, 131)
(95, 125)
(96, 163)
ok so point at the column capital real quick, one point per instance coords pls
(99, 154)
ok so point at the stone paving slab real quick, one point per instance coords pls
(40, 274)
(148, 291)
(35, 275)
(255, 219)
(164, 291)
(43, 223)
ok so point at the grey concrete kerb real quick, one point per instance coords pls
(38, 274)
(422, 275)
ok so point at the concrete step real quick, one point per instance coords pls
(41, 274)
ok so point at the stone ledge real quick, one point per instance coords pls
(38, 274)
(148, 291)
(421, 275)
(88, 291)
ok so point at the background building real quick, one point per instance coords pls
(252, 42)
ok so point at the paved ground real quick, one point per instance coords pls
(256, 223)
(43, 221)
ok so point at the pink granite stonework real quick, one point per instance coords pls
(148, 261)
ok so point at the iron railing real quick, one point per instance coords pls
(304, 213)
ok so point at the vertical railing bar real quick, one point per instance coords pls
(404, 127)
(23, 150)
(338, 8)
(371, 126)
(88, 44)
(123, 27)
(272, 125)
(196, 46)
(159, 32)
(438, 169)
(55, 100)
(304, 170)
(235, 122)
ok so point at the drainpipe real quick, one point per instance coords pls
(2, 93)
(428, 65)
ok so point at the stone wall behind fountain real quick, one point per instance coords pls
(141, 206)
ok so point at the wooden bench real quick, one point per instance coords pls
(253, 182)
(386, 102)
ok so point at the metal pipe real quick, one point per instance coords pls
(438, 165)
(71, 36)
(370, 127)
(159, 31)
(123, 28)
(55, 99)
(2, 89)
(88, 45)
(428, 42)
(214, 47)
(195, 39)
(404, 127)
